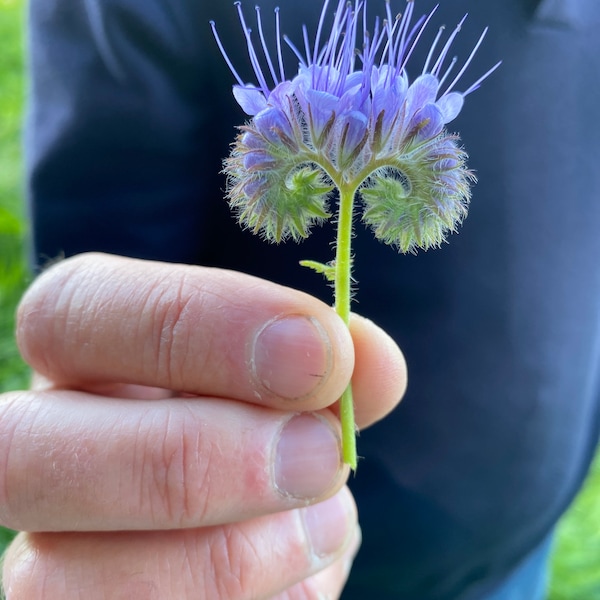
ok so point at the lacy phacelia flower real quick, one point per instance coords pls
(351, 119)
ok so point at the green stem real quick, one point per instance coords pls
(343, 278)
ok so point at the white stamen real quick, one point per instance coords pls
(264, 46)
(279, 54)
(225, 56)
(252, 52)
(438, 63)
(468, 61)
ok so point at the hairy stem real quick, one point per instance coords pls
(343, 278)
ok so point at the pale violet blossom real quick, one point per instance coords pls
(350, 116)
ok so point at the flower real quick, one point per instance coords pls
(350, 118)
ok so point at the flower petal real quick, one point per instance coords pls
(252, 140)
(389, 99)
(428, 121)
(450, 104)
(354, 99)
(258, 160)
(353, 80)
(353, 132)
(273, 125)
(278, 97)
(322, 106)
(252, 100)
(422, 91)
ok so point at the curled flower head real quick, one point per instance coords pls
(351, 119)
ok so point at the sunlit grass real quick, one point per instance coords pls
(576, 561)
(13, 272)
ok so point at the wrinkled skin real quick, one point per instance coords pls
(181, 437)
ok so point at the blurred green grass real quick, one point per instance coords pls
(576, 561)
(13, 271)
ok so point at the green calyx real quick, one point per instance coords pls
(275, 190)
(414, 202)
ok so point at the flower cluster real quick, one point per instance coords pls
(351, 119)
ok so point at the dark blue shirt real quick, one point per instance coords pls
(130, 116)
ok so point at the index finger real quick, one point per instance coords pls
(99, 318)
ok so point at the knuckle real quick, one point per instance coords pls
(235, 565)
(256, 558)
(169, 308)
(176, 469)
(14, 409)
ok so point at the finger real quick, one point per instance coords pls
(75, 462)
(379, 378)
(253, 559)
(329, 583)
(111, 390)
(104, 319)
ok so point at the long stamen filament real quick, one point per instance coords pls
(264, 46)
(476, 85)
(252, 52)
(467, 62)
(225, 55)
(278, 36)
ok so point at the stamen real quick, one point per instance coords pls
(295, 50)
(358, 7)
(390, 28)
(337, 32)
(264, 46)
(481, 79)
(448, 70)
(367, 66)
(438, 63)
(397, 47)
(345, 58)
(365, 28)
(252, 52)
(341, 57)
(393, 46)
(378, 37)
(402, 32)
(420, 27)
(306, 43)
(278, 36)
(224, 54)
(468, 61)
(432, 49)
(336, 28)
(319, 30)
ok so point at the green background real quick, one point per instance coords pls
(576, 560)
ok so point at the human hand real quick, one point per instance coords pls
(181, 440)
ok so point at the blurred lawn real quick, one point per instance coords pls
(12, 230)
(576, 564)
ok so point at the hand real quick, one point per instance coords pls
(181, 439)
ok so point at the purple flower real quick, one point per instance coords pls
(350, 118)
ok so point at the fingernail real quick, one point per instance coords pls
(330, 524)
(307, 457)
(291, 356)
